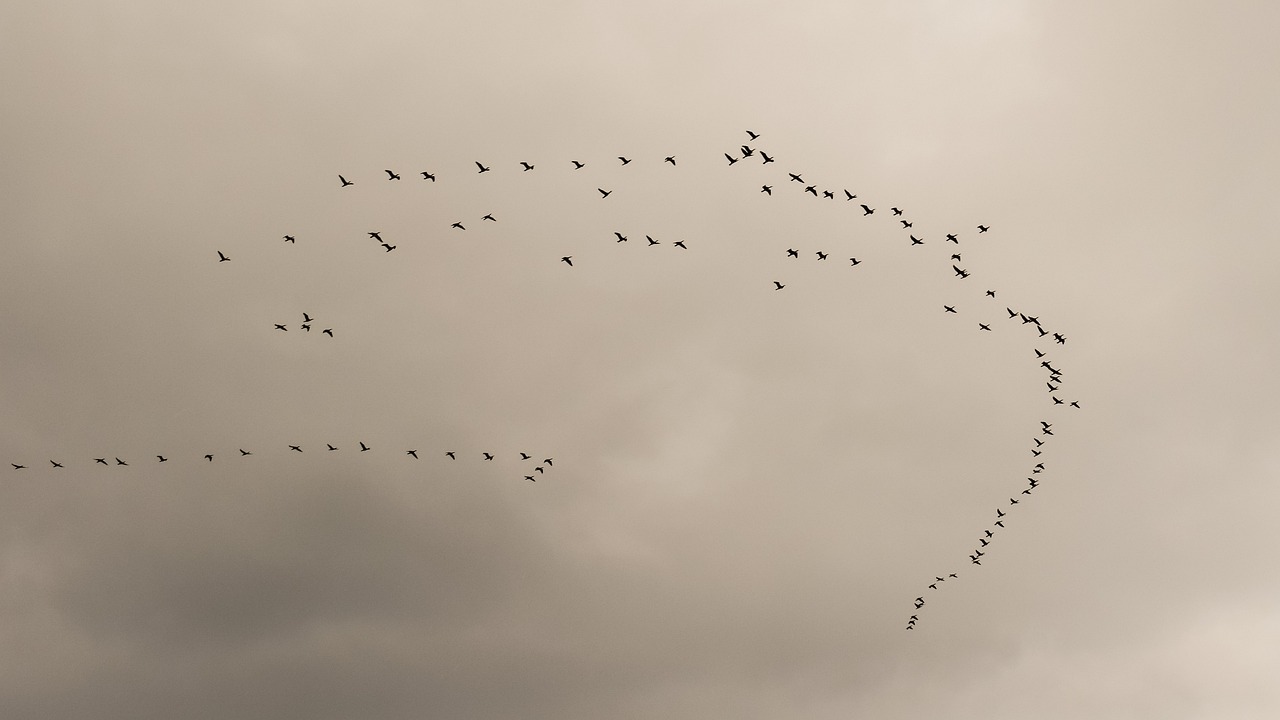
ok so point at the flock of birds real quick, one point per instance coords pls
(988, 311)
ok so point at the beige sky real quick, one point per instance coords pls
(750, 485)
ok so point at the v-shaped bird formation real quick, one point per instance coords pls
(976, 308)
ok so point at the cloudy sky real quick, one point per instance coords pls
(750, 486)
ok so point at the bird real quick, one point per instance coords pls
(1012, 501)
(295, 448)
(19, 467)
(982, 326)
(345, 182)
(458, 225)
(956, 257)
(328, 331)
(330, 446)
(822, 255)
(577, 165)
(792, 252)
(670, 158)
(915, 240)
(1013, 314)
(1075, 404)
(530, 478)
(905, 224)
(487, 456)
(991, 293)
(1056, 401)
(525, 456)
(377, 235)
(764, 158)
(680, 244)
(540, 470)
(209, 457)
(567, 259)
(490, 218)
(952, 238)
(363, 447)
(391, 175)
(104, 460)
(983, 228)
(624, 160)
(306, 317)
(604, 193)
(428, 176)
(933, 586)
(223, 258)
(281, 327)
(527, 166)
(161, 458)
(796, 178)
(389, 247)
(778, 285)
(451, 455)
(289, 239)
(652, 242)
(854, 261)
(960, 272)
(483, 169)
(620, 236)
(548, 461)
(896, 211)
(753, 135)
(766, 189)
(811, 190)
(414, 453)
(747, 152)
(849, 196)
(1062, 340)
(948, 308)
(867, 211)
(730, 158)
(244, 452)
(828, 195)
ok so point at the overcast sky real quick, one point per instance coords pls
(750, 486)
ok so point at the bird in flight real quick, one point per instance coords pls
(624, 160)
(209, 457)
(577, 165)
(983, 228)
(811, 190)
(960, 272)
(525, 456)
(547, 461)
(451, 455)
(896, 211)
(376, 235)
(1062, 340)
(867, 211)
(730, 158)
(458, 225)
(289, 239)
(328, 331)
(21, 467)
(778, 285)
(391, 175)
(952, 238)
(330, 446)
(981, 326)
(680, 244)
(345, 182)
(104, 460)
(527, 166)
(161, 458)
(849, 196)
(822, 255)
(747, 152)
(428, 176)
(295, 448)
(604, 193)
(487, 456)
(991, 293)
(540, 471)
(828, 195)
(281, 327)
(915, 240)
(854, 261)
(306, 317)
(792, 252)
(766, 189)
(568, 260)
(905, 224)
(490, 218)
(620, 236)
(948, 308)
(414, 453)
(529, 478)
(670, 158)
(752, 135)
(363, 447)
(222, 258)
(389, 249)
(244, 452)
(1075, 404)
(795, 178)
(483, 169)
(764, 158)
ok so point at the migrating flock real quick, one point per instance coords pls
(984, 312)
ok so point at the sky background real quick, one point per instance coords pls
(750, 485)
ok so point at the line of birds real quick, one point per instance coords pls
(305, 325)
(539, 467)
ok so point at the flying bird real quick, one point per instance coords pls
(652, 242)
(244, 452)
(577, 165)
(811, 190)
(867, 211)
(389, 249)
(624, 160)
(527, 166)
(752, 135)
(981, 326)
(548, 461)
(680, 244)
(764, 158)
(948, 308)
(306, 317)
(428, 176)
(896, 211)
(960, 273)
(363, 447)
(828, 195)
(983, 228)
(414, 453)
(915, 240)
(328, 331)
(778, 285)
(104, 460)
(795, 178)
(330, 446)
(391, 175)
(295, 448)
(905, 224)
(604, 193)
(345, 182)
(451, 455)
(670, 158)
(21, 467)
(281, 327)
(490, 218)
(289, 239)
(458, 225)
(620, 236)
(730, 158)
(991, 293)
(849, 196)
(487, 456)
(766, 189)
(747, 152)
(222, 258)
(822, 255)
(792, 252)
(209, 457)
(161, 458)
(525, 456)
(952, 238)
(376, 235)
(854, 261)
(483, 169)
(567, 259)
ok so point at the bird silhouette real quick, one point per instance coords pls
(289, 239)
(577, 165)
(414, 453)
(670, 158)
(604, 193)
(540, 470)
(952, 238)
(295, 448)
(625, 161)
(104, 460)
(527, 166)
(525, 456)
(1075, 404)
(490, 218)
(244, 452)
(849, 196)
(345, 182)
(764, 158)
(330, 446)
(991, 293)
(548, 461)
(811, 190)
(822, 255)
(915, 240)
(328, 331)
(306, 317)
(620, 236)
(530, 478)
(778, 285)
(796, 178)
(854, 261)
(458, 225)
(388, 247)
(567, 259)
(867, 211)
(948, 308)
(428, 176)
(363, 447)
(828, 195)
(983, 228)
(680, 244)
(905, 224)
(730, 158)
(18, 467)
(747, 152)
(451, 455)
(652, 242)
(483, 169)
(792, 252)
(391, 175)
(960, 273)
(376, 235)
(752, 135)
(209, 457)
(981, 326)
(766, 189)
(281, 327)
(222, 258)
(896, 211)
(487, 456)
(161, 458)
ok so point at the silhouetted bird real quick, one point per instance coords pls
(952, 238)
(984, 327)
(540, 470)
(796, 178)
(527, 166)
(222, 258)
(525, 456)
(18, 467)
(752, 135)
(391, 175)
(209, 457)
(376, 236)
(56, 464)
(791, 252)
(766, 189)
(345, 182)
(828, 195)
(854, 261)
(487, 456)
(161, 458)
(490, 218)
(483, 169)
(822, 255)
(104, 460)
(458, 225)
(567, 259)
(328, 331)
(983, 228)
(915, 240)
(960, 273)
(905, 224)
(306, 317)
(670, 158)
(949, 309)
(1062, 340)
(548, 461)
(1012, 314)
(867, 211)
(604, 193)
(577, 165)
(747, 152)
(730, 158)
(428, 176)
(289, 239)
(849, 196)
(624, 160)
(680, 244)
(1075, 404)
(281, 327)
(620, 236)
(764, 158)
(652, 242)
(451, 455)
(414, 453)
(991, 293)
(778, 285)
(330, 446)
(388, 247)
(812, 190)
(364, 448)
(295, 448)
(244, 452)
(529, 478)
(896, 211)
